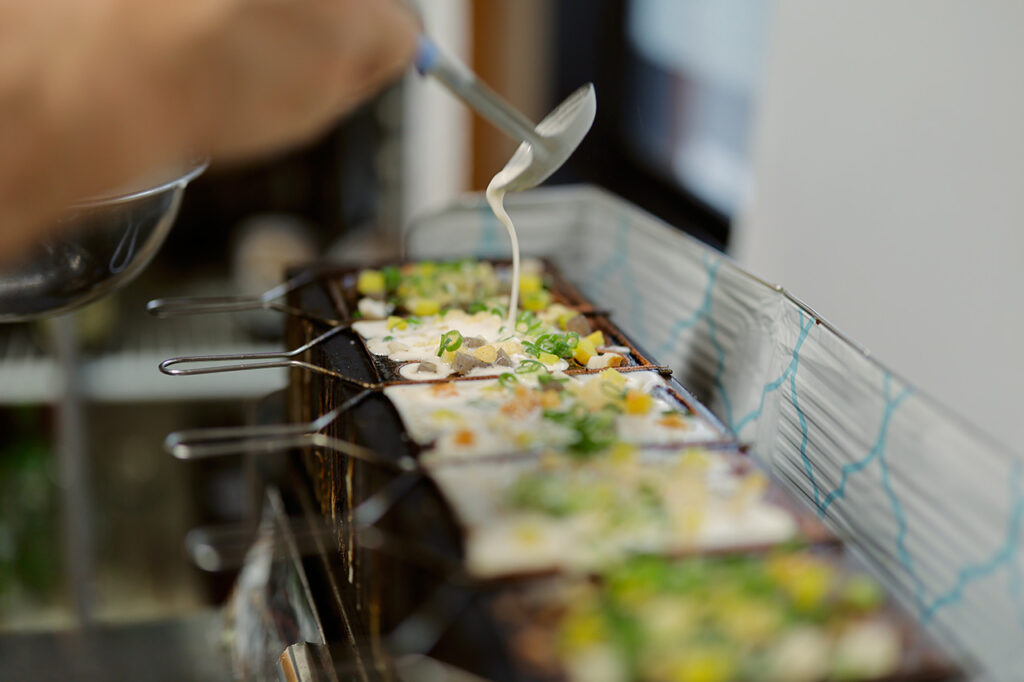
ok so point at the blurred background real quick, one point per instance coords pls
(866, 155)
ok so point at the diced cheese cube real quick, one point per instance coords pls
(423, 307)
(370, 282)
(511, 347)
(638, 402)
(613, 377)
(584, 351)
(550, 400)
(529, 283)
(486, 354)
(535, 301)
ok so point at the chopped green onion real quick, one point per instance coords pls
(561, 345)
(527, 322)
(529, 367)
(477, 307)
(507, 380)
(546, 379)
(594, 432)
(450, 341)
(613, 392)
(389, 338)
(392, 277)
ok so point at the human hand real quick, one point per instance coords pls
(97, 93)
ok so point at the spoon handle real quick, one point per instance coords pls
(462, 82)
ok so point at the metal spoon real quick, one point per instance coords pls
(545, 147)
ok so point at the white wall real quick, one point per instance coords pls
(889, 187)
(435, 164)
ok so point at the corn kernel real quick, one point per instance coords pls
(613, 377)
(550, 400)
(535, 301)
(597, 338)
(423, 307)
(511, 347)
(638, 403)
(395, 322)
(486, 354)
(370, 282)
(529, 284)
(622, 453)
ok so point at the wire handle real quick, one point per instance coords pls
(210, 442)
(282, 444)
(233, 362)
(199, 305)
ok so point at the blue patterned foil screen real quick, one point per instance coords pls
(930, 503)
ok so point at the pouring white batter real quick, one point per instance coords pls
(554, 140)
(496, 198)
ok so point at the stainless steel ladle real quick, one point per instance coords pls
(544, 147)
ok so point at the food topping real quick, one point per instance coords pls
(723, 618)
(608, 473)
(461, 305)
(583, 416)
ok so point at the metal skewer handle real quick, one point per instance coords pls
(236, 362)
(268, 300)
(282, 444)
(224, 440)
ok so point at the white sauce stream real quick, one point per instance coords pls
(496, 198)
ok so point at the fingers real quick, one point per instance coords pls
(95, 93)
(383, 41)
(298, 66)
